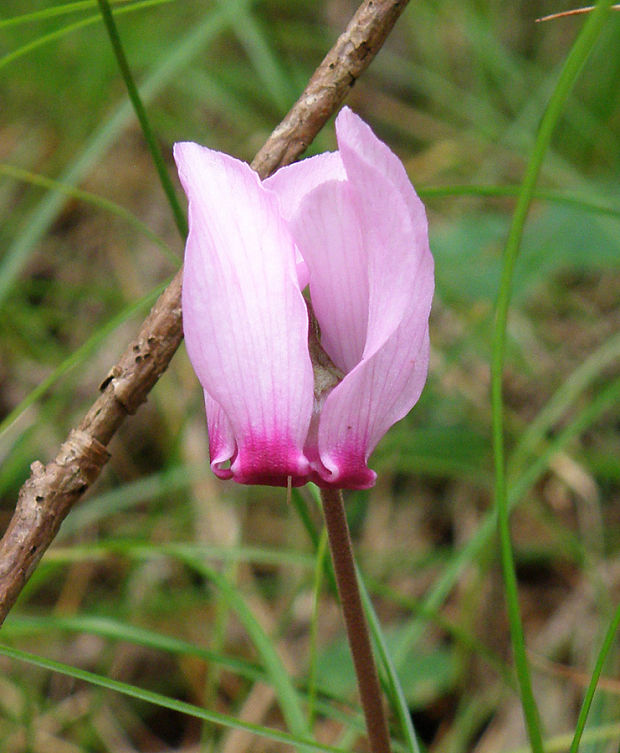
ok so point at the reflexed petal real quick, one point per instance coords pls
(355, 136)
(396, 246)
(245, 320)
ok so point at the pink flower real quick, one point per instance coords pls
(350, 224)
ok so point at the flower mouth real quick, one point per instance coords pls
(326, 374)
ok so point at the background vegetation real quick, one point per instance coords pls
(166, 581)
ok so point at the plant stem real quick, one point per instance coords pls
(147, 130)
(355, 621)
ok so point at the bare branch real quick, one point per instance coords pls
(49, 494)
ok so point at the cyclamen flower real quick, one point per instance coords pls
(348, 224)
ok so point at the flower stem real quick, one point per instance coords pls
(355, 621)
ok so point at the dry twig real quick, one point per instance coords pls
(573, 12)
(51, 491)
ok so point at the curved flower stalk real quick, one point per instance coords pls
(348, 225)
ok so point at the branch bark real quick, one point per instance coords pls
(51, 491)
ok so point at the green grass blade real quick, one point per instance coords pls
(567, 394)
(58, 33)
(164, 701)
(553, 197)
(394, 687)
(322, 556)
(180, 53)
(301, 508)
(116, 630)
(608, 642)
(90, 198)
(105, 627)
(145, 125)
(96, 509)
(196, 553)
(570, 71)
(45, 13)
(267, 66)
(282, 684)
(603, 734)
(606, 399)
(80, 355)
(459, 635)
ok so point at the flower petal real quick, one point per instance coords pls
(330, 236)
(370, 265)
(378, 392)
(393, 223)
(355, 136)
(245, 320)
(293, 182)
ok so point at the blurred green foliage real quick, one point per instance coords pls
(457, 92)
